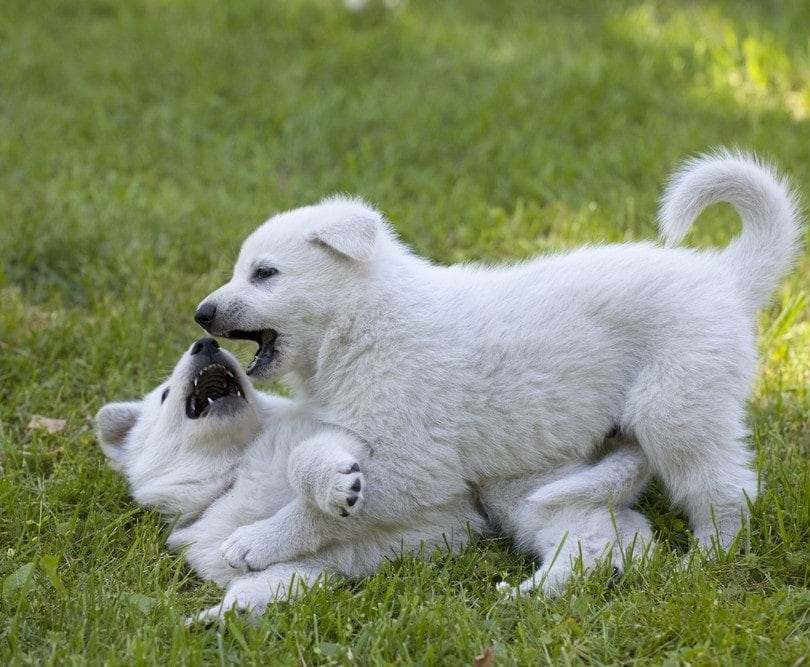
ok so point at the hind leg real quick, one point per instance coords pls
(251, 593)
(694, 439)
(715, 495)
(579, 540)
(574, 518)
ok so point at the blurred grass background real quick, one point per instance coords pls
(141, 141)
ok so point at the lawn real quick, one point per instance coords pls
(140, 142)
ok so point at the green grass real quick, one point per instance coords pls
(141, 141)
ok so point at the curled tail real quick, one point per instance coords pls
(769, 241)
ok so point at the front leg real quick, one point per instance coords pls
(251, 593)
(297, 529)
(326, 471)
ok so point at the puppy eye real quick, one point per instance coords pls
(264, 272)
(164, 394)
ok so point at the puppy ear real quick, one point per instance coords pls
(113, 423)
(352, 231)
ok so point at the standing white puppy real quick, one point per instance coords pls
(456, 375)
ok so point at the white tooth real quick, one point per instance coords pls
(230, 375)
(196, 380)
(210, 401)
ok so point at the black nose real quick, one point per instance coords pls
(207, 345)
(205, 315)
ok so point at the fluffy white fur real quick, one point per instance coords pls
(254, 455)
(447, 376)
(250, 458)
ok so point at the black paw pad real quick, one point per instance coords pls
(351, 500)
(356, 486)
(355, 467)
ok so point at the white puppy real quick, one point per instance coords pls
(212, 454)
(446, 376)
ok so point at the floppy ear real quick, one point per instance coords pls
(113, 423)
(353, 234)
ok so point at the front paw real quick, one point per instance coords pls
(344, 493)
(247, 549)
(248, 603)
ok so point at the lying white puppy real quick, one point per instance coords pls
(446, 376)
(212, 454)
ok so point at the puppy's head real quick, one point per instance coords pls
(206, 411)
(293, 275)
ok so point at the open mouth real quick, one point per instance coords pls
(213, 386)
(266, 340)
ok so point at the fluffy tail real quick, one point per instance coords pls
(769, 242)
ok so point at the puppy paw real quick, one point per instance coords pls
(344, 495)
(551, 581)
(248, 549)
(250, 609)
